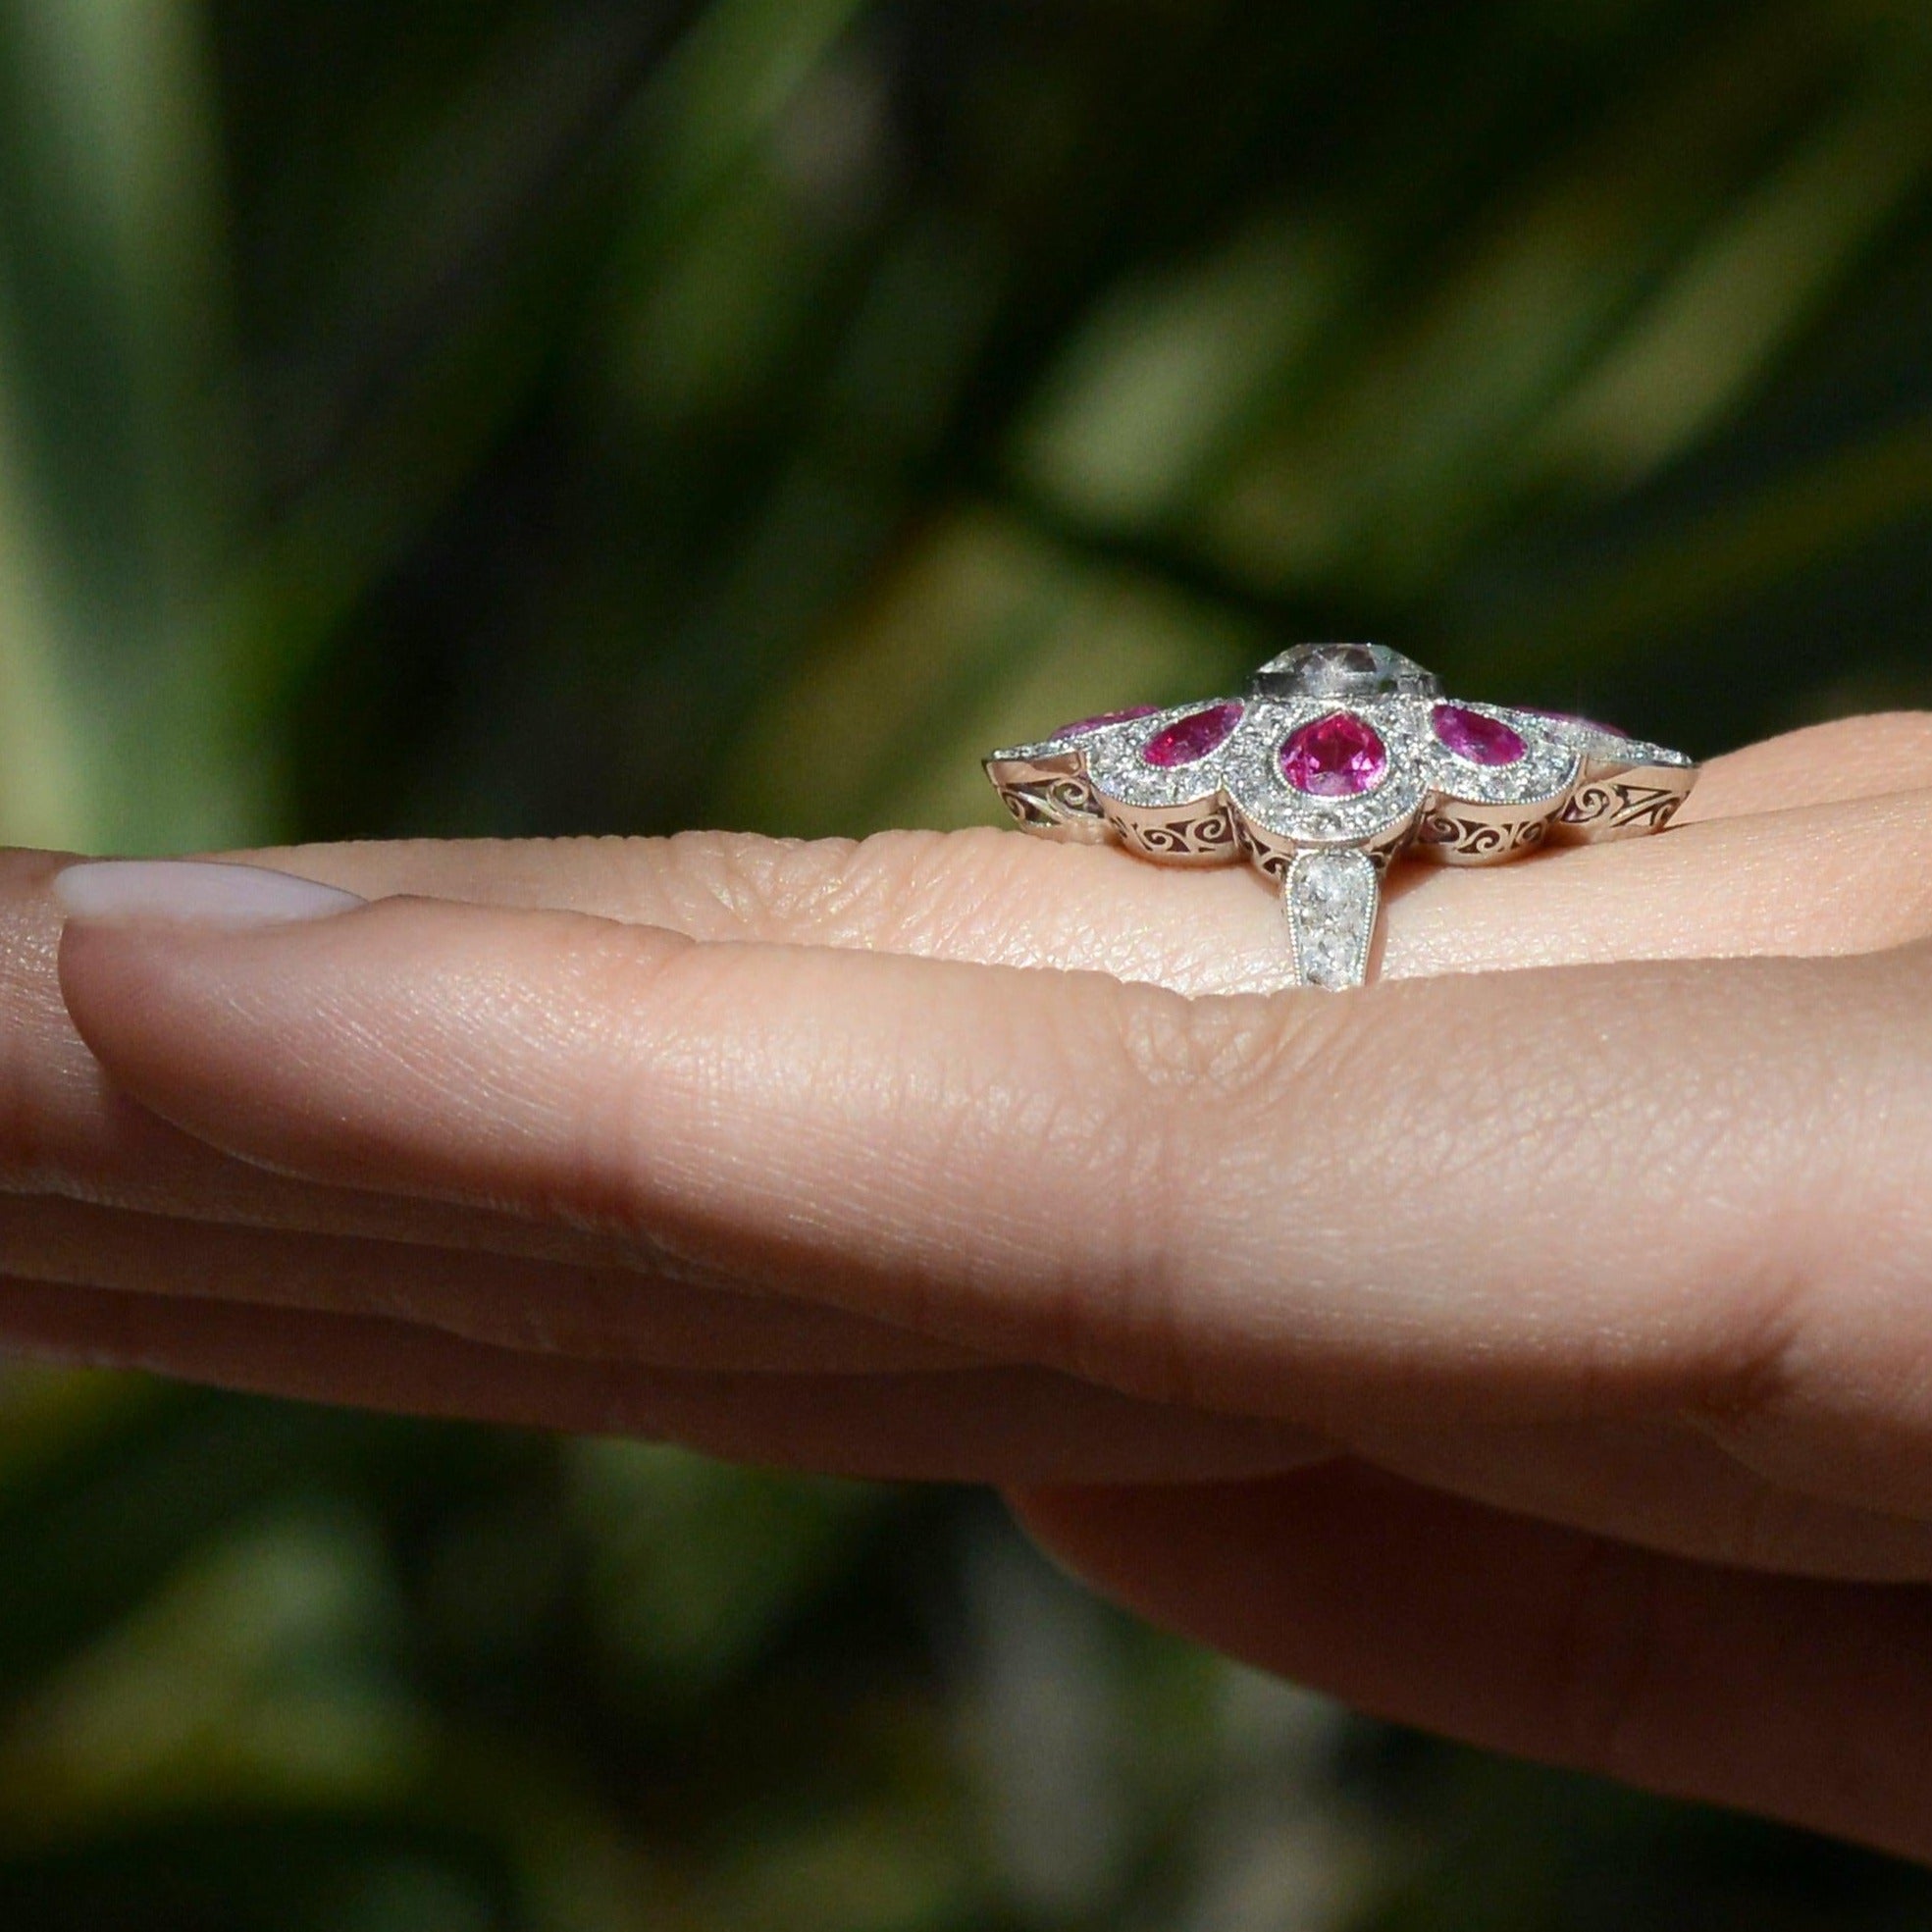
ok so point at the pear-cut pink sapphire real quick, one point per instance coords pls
(1477, 737)
(1188, 740)
(1082, 726)
(1338, 757)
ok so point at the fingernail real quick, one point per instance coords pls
(194, 892)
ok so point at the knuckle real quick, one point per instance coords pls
(1744, 1379)
(1185, 1091)
(1225, 1052)
(756, 884)
(894, 890)
(613, 1081)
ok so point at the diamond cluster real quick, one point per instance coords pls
(1549, 768)
(1340, 758)
(1330, 899)
(1281, 815)
(1604, 745)
(1248, 769)
(1119, 767)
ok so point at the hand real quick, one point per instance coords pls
(1545, 1351)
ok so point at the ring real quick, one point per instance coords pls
(1340, 759)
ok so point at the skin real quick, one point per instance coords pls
(1535, 1346)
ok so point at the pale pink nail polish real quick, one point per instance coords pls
(193, 893)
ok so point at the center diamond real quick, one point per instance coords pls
(1343, 670)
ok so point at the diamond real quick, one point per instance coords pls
(1331, 899)
(1188, 740)
(1478, 737)
(1337, 757)
(1342, 670)
(1326, 887)
(1328, 959)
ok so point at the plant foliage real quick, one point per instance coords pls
(432, 418)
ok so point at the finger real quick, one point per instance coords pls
(66, 1130)
(68, 1141)
(66, 1136)
(838, 892)
(1848, 878)
(1816, 881)
(1663, 1485)
(615, 1314)
(1657, 1482)
(1660, 1484)
(1806, 1702)
(1842, 877)
(1861, 757)
(975, 1425)
(1549, 1194)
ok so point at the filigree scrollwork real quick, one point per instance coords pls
(1038, 806)
(1207, 835)
(1623, 806)
(1476, 839)
(1271, 861)
(1337, 760)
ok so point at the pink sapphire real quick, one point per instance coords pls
(1082, 726)
(1188, 740)
(1477, 737)
(1338, 757)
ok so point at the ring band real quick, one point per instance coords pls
(1340, 759)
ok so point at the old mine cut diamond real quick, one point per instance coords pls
(1331, 901)
(1337, 761)
(1343, 670)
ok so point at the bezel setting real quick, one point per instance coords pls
(1576, 782)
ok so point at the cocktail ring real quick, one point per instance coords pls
(1340, 758)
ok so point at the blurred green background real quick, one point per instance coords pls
(459, 416)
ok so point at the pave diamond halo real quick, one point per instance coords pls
(1337, 759)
